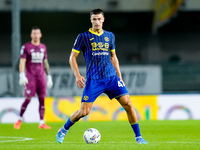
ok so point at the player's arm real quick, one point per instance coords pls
(22, 65)
(115, 63)
(74, 66)
(22, 78)
(46, 66)
(47, 70)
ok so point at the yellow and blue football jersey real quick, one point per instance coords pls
(96, 49)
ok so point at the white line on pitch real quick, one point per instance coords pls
(14, 139)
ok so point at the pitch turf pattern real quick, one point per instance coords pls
(115, 135)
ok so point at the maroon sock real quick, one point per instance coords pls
(41, 107)
(24, 106)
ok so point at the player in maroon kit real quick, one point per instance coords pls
(33, 56)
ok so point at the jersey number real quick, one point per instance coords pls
(120, 84)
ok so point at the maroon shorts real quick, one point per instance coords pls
(35, 85)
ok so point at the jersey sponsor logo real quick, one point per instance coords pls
(85, 98)
(37, 57)
(100, 46)
(100, 53)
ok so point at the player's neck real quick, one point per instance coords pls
(36, 43)
(97, 30)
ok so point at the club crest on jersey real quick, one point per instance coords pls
(85, 98)
(42, 49)
(106, 39)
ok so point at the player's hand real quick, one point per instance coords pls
(122, 81)
(49, 81)
(22, 79)
(80, 81)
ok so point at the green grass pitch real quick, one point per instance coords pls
(115, 135)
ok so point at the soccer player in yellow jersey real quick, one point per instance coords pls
(102, 73)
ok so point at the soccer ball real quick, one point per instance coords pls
(91, 136)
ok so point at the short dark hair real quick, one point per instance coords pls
(35, 27)
(96, 11)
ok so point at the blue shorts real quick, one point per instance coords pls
(112, 86)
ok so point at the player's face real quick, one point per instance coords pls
(97, 21)
(36, 35)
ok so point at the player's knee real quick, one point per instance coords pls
(84, 113)
(85, 109)
(87, 112)
(128, 105)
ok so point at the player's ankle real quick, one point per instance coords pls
(20, 118)
(41, 122)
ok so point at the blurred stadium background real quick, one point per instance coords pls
(157, 43)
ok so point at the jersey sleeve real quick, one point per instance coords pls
(78, 44)
(112, 45)
(23, 52)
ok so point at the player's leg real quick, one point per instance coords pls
(91, 91)
(29, 92)
(128, 107)
(116, 89)
(22, 110)
(42, 124)
(41, 92)
(132, 117)
(83, 111)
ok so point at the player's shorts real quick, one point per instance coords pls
(35, 85)
(112, 86)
